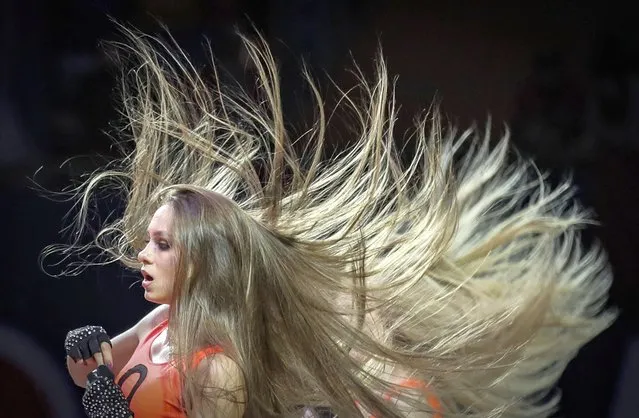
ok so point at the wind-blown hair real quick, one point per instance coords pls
(324, 277)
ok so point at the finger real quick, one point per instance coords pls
(90, 362)
(75, 354)
(99, 358)
(94, 345)
(85, 354)
(107, 354)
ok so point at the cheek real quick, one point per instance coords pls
(169, 270)
(170, 267)
(168, 279)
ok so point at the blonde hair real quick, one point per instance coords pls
(321, 276)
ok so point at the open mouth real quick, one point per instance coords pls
(147, 277)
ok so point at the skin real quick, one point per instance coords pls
(158, 260)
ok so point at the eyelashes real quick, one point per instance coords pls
(162, 245)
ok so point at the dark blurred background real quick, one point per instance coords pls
(563, 74)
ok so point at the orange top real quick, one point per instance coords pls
(153, 389)
(432, 400)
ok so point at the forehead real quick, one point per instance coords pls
(162, 219)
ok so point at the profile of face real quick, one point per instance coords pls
(159, 258)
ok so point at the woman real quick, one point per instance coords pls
(451, 285)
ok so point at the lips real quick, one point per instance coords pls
(147, 279)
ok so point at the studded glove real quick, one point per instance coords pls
(103, 398)
(83, 343)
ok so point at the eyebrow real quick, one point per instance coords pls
(160, 233)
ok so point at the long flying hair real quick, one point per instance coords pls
(325, 276)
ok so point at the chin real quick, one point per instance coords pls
(154, 298)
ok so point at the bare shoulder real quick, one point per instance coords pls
(151, 320)
(222, 372)
(224, 380)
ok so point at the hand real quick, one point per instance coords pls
(103, 398)
(89, 343)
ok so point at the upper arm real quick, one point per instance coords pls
(223, 383)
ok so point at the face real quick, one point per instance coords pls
(159, 258)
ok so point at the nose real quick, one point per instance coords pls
(143, 257)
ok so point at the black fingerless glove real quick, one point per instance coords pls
(83, 343)
(103, 398)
